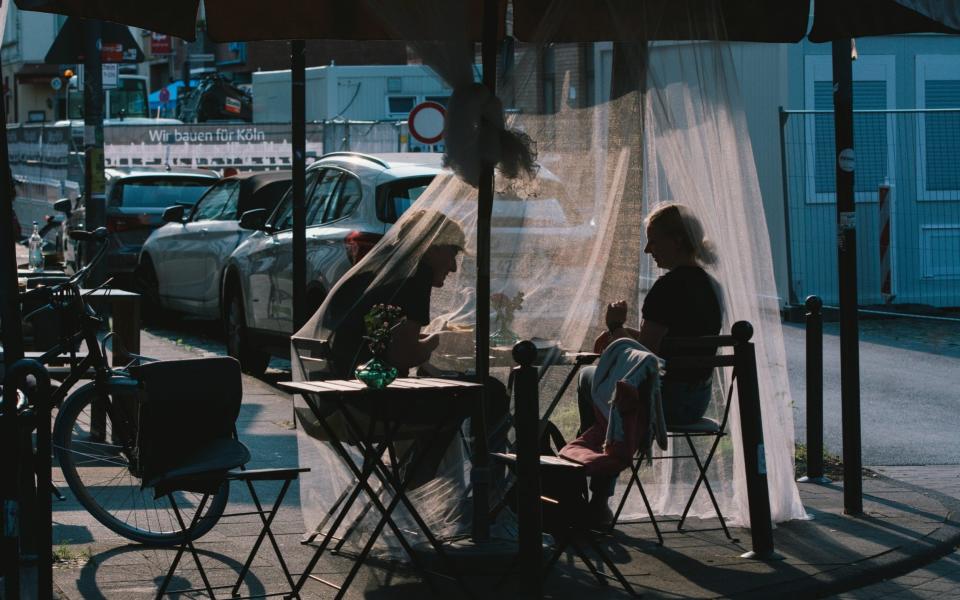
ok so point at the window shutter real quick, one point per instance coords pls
(942, 130)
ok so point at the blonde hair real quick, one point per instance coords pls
(677, 221)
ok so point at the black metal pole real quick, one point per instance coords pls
(481, 470)
(754, 457)
(526, 403)
(42, 528)
(9, 299)
(298, 137)
(12, 332)
(94, 185)
(814, 331)
(847, 263)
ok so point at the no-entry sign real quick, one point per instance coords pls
(426, 122)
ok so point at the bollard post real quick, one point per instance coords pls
(751, 426)
(526, 399)
(814, 330)
(32, 499)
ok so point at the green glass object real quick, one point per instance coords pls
(503, 336)
(376, 373)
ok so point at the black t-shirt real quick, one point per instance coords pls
(348, 348)
(685, 301)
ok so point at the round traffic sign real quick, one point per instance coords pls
(56, 83)
(164, 95)
(426, 122)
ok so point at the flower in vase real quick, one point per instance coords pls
(380, 322)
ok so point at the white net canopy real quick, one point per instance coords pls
(595, 137)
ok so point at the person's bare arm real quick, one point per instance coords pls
(650, 335)
(407, 348)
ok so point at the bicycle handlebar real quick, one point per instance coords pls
(98, 235)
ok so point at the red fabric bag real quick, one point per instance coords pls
(600, 458)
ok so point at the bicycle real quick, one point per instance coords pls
(95, 429)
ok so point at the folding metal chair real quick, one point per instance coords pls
(566, 517)
(703, 428)
(188, 442)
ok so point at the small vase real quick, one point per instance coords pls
(376, 373)
(503, 336)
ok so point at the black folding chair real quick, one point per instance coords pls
(187, 442)
(703, 428)
(566, 516)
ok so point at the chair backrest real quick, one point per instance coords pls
(683, 355)
(314, 356)
(185, 405)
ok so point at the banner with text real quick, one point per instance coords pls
(263, 146)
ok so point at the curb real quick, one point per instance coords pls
(893, 563)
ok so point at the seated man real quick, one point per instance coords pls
(403, 271)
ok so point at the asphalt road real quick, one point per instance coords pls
(910, 390)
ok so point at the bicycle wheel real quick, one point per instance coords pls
(98, 470)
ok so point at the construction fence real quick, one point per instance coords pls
(907, 194)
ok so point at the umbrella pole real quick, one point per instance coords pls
(847, 266)
(298, 137)
(481, 468)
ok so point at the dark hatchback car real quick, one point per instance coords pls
(136, 199)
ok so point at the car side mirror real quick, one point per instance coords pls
(173, 214)
(254, 219)
(63, 205)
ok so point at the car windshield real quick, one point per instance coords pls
(159, 192)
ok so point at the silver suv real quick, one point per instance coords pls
(351, 201)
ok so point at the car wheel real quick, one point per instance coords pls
(252, 361)
(149, 287)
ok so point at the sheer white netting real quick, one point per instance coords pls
(618, 128)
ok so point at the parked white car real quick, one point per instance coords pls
(351, 200)
(181, 264)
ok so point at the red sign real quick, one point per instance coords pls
(111, 53)
(160, 43)
(164, 95)
(232, 105)
(426, 122)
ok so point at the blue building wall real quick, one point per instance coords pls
(917, 153)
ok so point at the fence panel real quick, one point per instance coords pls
(913, 237)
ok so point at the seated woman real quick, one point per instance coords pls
(683, 302)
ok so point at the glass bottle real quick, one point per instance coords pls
(35, 256)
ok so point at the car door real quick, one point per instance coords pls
(261, 258)
(281, 300)
(183, 270)
(221, 235)
(337, 238)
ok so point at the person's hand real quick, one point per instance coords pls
(616, 314)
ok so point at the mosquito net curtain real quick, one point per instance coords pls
(615, 130)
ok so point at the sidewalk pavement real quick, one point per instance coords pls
(902, 528)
